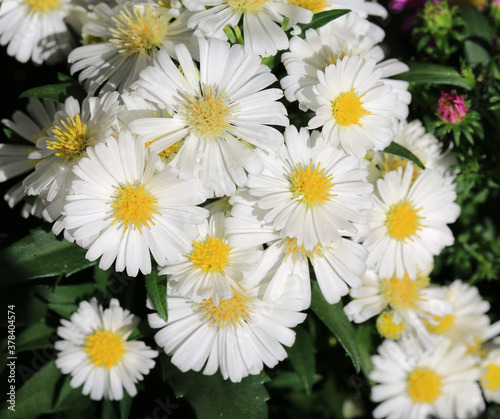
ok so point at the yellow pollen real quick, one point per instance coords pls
(310, 185)
(234, 311)
(386, 326)
(476, 347)
(402, 221)
(424, 385)
(210, 255)
(70, 139)
(314, 6)
(403, 293)
(134, 206)
(142, 30)
(392, 162)
(247, 6)
(42, 7)
(348, 109)
(491, 379)
(299, 253)
(210, 115)
(105, 349)
(443, 324)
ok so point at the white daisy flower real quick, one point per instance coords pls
(422, 144)
(467, 322)
(129, 37)
(409, 222)
(417, 385)
(238, 336)
(217, 110)
(96, 351)
(122, 209)
(346, 36)
(361, 7)
(490, 376)
(312, 191)
(408, 304)
(73, 130)
(36, 29)
(357, 109)
(262, 21)
(212, 269)
(336, 265)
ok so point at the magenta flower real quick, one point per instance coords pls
(451, 107)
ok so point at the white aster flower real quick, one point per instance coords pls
(36, 29)
(238, 336)
(96, 351)
(346, 36)
(361, 7)
(74, 128)
(262, 21)
(121, 208)
(212, 269)
(408, 304)
(129, 36)
(468, 322)
(312, 191)
(422, 144)
(357, 109)
(217, 111)
(440, 384)
(490, 376)
(336, 265)
(409, 222)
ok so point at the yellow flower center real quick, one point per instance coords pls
(339, 55)
(403, 221)
(314, 6)
(348, 109)
(424, 385)
(210, 255)
(42, 7)
(70, 138)
(209, 116)
(392, 162)
(299, 253)
(310, 185)
(491, 379)
(403, 293)
(386, 326)
(234, 311)
(105, 349)
(443, 324)
(140, 30)
(247, 6)
(134, 206)
(475, 347)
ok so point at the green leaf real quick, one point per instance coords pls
(301, 355)
(156, 286)
(35, 396)
(108, 410)
(35, 336)
(322, 18)
(335, 319)
(125, 405)
(56, 92)
(365, 347)
(434, 74)
(102, 277)
(65, 294)
(40, 255)
(64, 310)
(479, 35)
(399, 150)
(71, 398)
(213, 397)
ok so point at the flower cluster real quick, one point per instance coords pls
(242, 181)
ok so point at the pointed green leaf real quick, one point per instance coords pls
(433, 74)
(39, 255)
(125, 405)
(65, 294)
(56, 92)
(64, 310)
(35, 336)
(35, 397)
(301, 356)
(479, 34)
(71, 398)
(335, 319)
(399, 150)
(322, 18)
(156, 286)
(213, 397)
